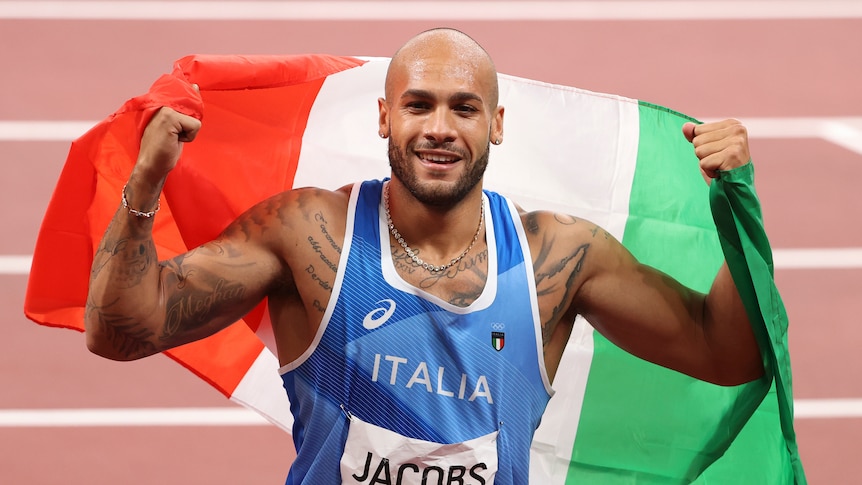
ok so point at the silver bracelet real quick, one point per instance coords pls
(138, 213)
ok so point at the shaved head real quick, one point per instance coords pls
(464, 52)
(440, 115)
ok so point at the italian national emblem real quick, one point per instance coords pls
(498, 340)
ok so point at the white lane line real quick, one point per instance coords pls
(841, 130)
(817, 258)
(784, 259)
(827, 408)
(15, 265)
(20, 418)
(131, 417)
(43, 130)
(431, 10)
(844, 131)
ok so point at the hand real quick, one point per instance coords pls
(162, 143)
(722, 145)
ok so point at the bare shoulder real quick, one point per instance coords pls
(553, 233)
(565, 250)
(284, 231)
(277, 220)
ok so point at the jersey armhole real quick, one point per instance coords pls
(534, 299)
(336, 287)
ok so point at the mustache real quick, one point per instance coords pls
(446, 146)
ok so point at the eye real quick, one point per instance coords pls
(418, 106)
(466, 108)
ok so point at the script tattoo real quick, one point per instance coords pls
(318, 247)
(322, 220)
(324, 253)
(190, 306)
(468, 289)
(402, 261)
(319, 306)
(316, 277)
(471, 264)
(194, 308)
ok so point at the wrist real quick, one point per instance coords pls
(139, 213)
(140, 195)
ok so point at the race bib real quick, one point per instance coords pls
(378, 456)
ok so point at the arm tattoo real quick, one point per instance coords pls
(195, 307)
(558, 278)
(315, 276)
(127, 337)
(323, 229)
(472, 264)
(135, 258)
(317, 272)
(190, 306)
(532, 223)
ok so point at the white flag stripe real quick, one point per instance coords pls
(784, 259)
(431, 10)
(262, 391)
(841, 130)
(846, 408)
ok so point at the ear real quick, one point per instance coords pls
(383, 117)
(497, 124)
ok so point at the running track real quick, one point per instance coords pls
(791, 70)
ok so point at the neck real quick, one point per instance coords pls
(432, 240)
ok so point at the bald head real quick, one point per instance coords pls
(461, 55)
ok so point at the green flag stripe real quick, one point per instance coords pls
(672, 440)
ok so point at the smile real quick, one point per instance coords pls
(438, 157)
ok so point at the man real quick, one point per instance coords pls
(380, 348)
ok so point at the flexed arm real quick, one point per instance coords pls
(583, 269)
(708, 336)
(138, 306)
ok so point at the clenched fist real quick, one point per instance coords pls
(722, 145)
(162, 143)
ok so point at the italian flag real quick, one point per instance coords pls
(273, 123)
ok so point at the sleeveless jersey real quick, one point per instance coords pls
(394, 356)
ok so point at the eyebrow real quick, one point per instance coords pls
(458, 96)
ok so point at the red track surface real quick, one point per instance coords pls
(83, 70)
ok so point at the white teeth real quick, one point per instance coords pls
(439, 158)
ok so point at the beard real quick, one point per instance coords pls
(437, 194)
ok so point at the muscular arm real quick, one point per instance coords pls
(138, 306)
(581, 269)
(654, 317)
(642, 310)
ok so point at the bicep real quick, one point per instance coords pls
(644, 311)
(212, 286)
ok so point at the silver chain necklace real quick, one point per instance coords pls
(410, 252)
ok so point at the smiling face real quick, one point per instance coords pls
(440, 113)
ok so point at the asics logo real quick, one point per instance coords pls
(379, 316)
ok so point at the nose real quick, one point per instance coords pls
(439, 126)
